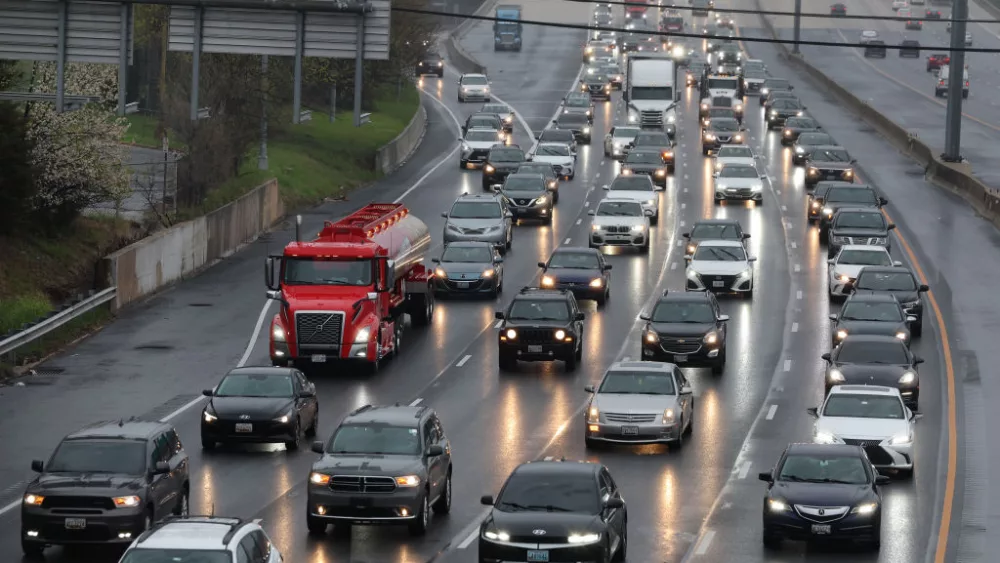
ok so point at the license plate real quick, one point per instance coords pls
(680, 359)
(319, 358)
(718, 284)
(821, 529)
(539, 555)
(462, 285)
(76, 523)
(630, 430)
(361, 502)
(244, 427)
(535, 350)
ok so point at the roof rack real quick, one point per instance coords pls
(360, 410)
(530, 289)
(233, 522)
(421, 411)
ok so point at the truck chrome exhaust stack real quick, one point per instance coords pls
(298, 228)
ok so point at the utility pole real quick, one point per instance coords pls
(956, 83)
(262, 155)
(797, 27)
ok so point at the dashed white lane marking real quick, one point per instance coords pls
(788, 365)
(795, 244)
(602, 162)
(598, 175)
(684, 206)
(795, 327)
(685, 190)
(578, 221)
(682, 223)
(469, 539)
(705, 543)
(783, 208)
(679, 243)
(567, 241)
(686, 177)
(798, 294)
(586, 204)
(745, 470)
(416, 402)
(772, 178)
(497, 324)
(777, 192)
(673, 266)
(771, 411)
(798, 268)
(463, 360)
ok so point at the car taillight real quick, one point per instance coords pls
(966, 83)
(940, 82)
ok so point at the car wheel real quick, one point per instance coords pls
(547, 220)
(316, 526)
(601, 299)
(207, 443)
(918, 328)
(905, 473)
(443, 504)
(293, 444)
(507, 363)
(570, 362)
(679, 442)
(32, 549)
(462, 164)
(622, 552)
(769, 540)
(719, 367)
(590, 443)
(418, 526)
(311, 431)
(555, 196)
(183, 507)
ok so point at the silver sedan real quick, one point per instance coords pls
(640, 403)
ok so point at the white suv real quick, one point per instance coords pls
(206, 539)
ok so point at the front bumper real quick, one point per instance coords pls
(464, 286)
(741, 194)
(632, 238)
(261, 431)
(533, 212)
(580, 290)
(668, 350)
(838, 175)
(428, 69)
(497, 552)
(853, 527)
(361, 508)
(115, 526)
(480, 95)
(718, 284)
(545, 352)
(638, 433)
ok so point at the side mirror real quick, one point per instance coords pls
(833, 316)
(918, 360)
(580, 317)
(923, 287)
(614, 503)
(436, 260)
(911, 319)
(765, 476)
(752, 259)
(813, 411)
(883, 201)
(688, 257)
(763, 176)
(486, 500)
(498, 260)
(897, 263)
(831, 261)
(317, 447)
(161, 468)
(37, 466)
(592, 213)
(434, 450)
(498, 315)
(826, 356)
(882, 480)
(497, 189)
(853, 160)
(541, 264)
(915, 416)
(306, 394)
(508, 215)
(745, 236)
(607, 186)
(645, 316)
(589, 388)
(723, 318)
(269, 281)
(891, 227)
(208, 392)
(686, 390)
(686, 235)
(606, 268)
(445, 215)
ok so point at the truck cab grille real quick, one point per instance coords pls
(319, 330)
(651, 118)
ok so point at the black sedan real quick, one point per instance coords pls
(431, 63)
(581, 270)
(875, 360)
(577, 123)
(872, 314)
(899, 282)
(713, 229)
(555, 511)
(260, 405)
(468, 268)
(795, 126)
(829, 163)
(823, 492)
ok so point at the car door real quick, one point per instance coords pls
(721, 326)
(306, 406)
(178, 460)
(160, 486)
(613, 517)
(434, 472)
(446, 446)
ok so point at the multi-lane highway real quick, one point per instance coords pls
(901, 88)
(701, 503)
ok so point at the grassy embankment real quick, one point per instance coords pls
(311, 161)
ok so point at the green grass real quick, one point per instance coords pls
(312, 160)
(142, 131)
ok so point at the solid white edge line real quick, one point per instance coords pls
(416, 401)
(464, 359)
(578, 221)
(705, 543)
(469, 539)
(253, 338)
(798, 294)
(770, 412)
(795, 327)
(567, 241)
(497, 324)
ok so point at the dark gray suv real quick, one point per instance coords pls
(105, 484)
(386, 465)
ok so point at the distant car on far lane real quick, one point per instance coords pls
(838, 10)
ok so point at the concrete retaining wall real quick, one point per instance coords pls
(398, 150)
(956, 177)
(173, 254)
(457, 57)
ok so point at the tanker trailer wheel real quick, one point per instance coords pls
(422, 308)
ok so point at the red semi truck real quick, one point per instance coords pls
(636, 9)
(344, 295)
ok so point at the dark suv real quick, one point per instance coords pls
(430, 63)
(713, 229)
(866, 226)
(541, 325)
(829, 162)
(528, 197)
(501, 162)
(384, 465)
(105, 484)
(847, 195)
(686, 328)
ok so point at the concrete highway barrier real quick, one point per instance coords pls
(398, 151)
(457, 57)
(952, 176)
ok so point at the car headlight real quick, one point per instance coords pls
(632, 118)
(560, 334)
(440, 273)
(901, 439)
(836, 376)
(408, 481)
(764, 91)
(319, 478)
(813, 171)
(586, 129)
(825, 438)
(828, 210)
(496, 536)
(593, 415)
(511, 334)
(362, 335)
(626, 171)
(709, 137)
(774, 113)
(126, 501)
(902, 335)
(738, 108)
(34, 500)
(489, 169)
(542, 200)
(278, 333)
(595, 227)
(660, 172)
(801, 113)
(618, 145)
(693, 275)
(704, 106)
(588, 113)
(638, 228)
(668, 416)
(548, 281)
(488, 273)
(738, 138)
(671, 118)
(712, 338)
(745, 274)
(866, 508)
(848, 172)
(440, 63)
(596, 282)
(209, 417)
(283, 419)
(582, 539)
(841, 334)
(788, 132)
(775, 505)
(799, 150)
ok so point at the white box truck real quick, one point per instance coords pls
(651, 92)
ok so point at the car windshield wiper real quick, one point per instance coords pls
(547, 507)
(514, 505)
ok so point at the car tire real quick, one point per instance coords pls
(183, 508)
(645, 248)
(622, 552)
(418, 526)
(207, 444)
(655, 219)
(422, 308)
(906, 474)
(547, 220)
(314, 426)
(679, 442)
(33, 550)
(507, 363)
(769, 540)
(555, 197)
(570, 362)
(316, 526)
(601, 299)
(918, 328)
(719, 367)
(293, 445)
(462, 164)
(443, 504)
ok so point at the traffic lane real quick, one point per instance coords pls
(158, 354)
(918, 112)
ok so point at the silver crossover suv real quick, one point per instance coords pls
(480, 217)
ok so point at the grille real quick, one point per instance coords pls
(596, 87)
(837, 514)
(319, 330)
(473, 284)
(862, 240)
(724, 138)
(629, 417)
(537, 335)
(651, 118)
(746, 192)
(753, 86)
(546, 539)
(356, 484)
(680, 345)
(558, 168)
(471, 231)
(862, 443)
(84, 503)
(618, 229)
(523, 202)
(647, 172)
(709, 281)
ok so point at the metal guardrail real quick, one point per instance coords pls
(57, 320)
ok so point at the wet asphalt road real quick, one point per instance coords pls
(700, 503)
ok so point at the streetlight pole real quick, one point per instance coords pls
(956, 83)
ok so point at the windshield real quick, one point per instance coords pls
(468, 254)
(98, 456)
(786, 103)
(801, 123)
(735, 152)
(775, 84)
(550, 492)
(864, 258)
(475, 80)
(619, 209)
(488, 135)
(861, 352)
(876, 312)
(538, 310)
(860, 220)
(631, 184)
(475, 210)
(723, 83)
(725, 125)
(851, 195)
(506, 155)
(713, 231)
(864, 406)
(886, 281)
(163, 555)
(626, 132)
(254, 385)
(377, 439)
(815, 139)
(675, 20)
(582, 260)
(572, 119)
(636, 157)
(720, 253)
(481, 122)
(831, 155)
(653, 93)
(320, 271)
(552, 150)
(524, 184)
(754, 73)
(819, 468)
(638, 383)
(734, 171)
(683, 312)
